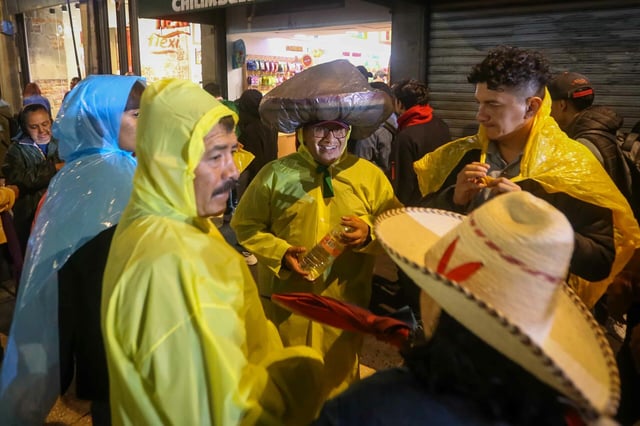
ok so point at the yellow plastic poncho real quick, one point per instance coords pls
(559, 164)
(283, 207)
(7, 199)
(186, 338)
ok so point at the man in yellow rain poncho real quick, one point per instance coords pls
(295, 200)
(186, 339)
(520, 147)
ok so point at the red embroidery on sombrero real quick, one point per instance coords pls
(509, 258)
(459, 273)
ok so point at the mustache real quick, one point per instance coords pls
(227, 186)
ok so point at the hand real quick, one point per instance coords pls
(620, 295)
(469, 182)
(291, 259)
(360, 231)
(15, 189)
(501, 185)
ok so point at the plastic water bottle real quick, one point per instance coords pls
(324, 253)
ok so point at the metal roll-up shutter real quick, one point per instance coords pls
(600, 41)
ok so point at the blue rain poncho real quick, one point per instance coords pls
(86, 197)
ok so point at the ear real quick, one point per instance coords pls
(533, 105)
(563, 105)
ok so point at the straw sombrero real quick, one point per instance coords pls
(500, 272)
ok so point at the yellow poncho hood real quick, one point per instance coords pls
(164, 163)
(559, 164)
(186, 338)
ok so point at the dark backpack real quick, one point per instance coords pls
(622, 161)
(629, 145)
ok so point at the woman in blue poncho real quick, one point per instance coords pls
(96, 128)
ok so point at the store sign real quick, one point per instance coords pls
(158, 8)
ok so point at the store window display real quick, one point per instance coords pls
(50, 43)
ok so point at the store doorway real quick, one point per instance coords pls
(272, 57)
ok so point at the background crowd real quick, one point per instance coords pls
(516, 248)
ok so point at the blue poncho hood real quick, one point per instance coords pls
(85, 197)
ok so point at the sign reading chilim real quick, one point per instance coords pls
(182, 5)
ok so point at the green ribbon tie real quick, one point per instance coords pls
(327, 186)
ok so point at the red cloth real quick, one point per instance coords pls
(345, 316)
(417, 114)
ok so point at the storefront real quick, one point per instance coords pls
(58, 40)
(272, 57)
(242, 44)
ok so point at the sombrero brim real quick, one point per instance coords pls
(330, 91)
(575, 357)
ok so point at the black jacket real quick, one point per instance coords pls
(411, 144)
(598, 125)
(594, 249)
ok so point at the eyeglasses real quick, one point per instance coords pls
(321, 132)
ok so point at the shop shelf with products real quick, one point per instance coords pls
(263, 73)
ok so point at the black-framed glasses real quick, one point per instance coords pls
(322, 132)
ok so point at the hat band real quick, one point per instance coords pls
(522, 265)
(581, 93)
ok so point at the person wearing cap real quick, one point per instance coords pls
(30, 163)
(55, 331)
(377, 147)
(519, 147)
(186, 340)
(296, 200)
(506, 341)
(419, 132)
(594, 126)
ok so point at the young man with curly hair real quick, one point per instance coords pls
(519, 147)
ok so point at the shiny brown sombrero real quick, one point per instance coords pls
(332, 91)
(500, 272)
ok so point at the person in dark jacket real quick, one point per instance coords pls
(255, 136)
(30, 163)
(519, 147)
(378, 146)
(6, 128)
(595, 126)
(623, 298)
(419, 132)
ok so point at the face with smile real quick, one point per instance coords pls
(502, 113)
(325, 141)
(39, 126)
(216, 174)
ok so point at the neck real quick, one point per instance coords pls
(513, 144)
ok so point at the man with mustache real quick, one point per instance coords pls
(294, 201)
(186, 339)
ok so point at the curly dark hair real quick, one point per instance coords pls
(456, 362)
(514, 68)
(411, 92)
